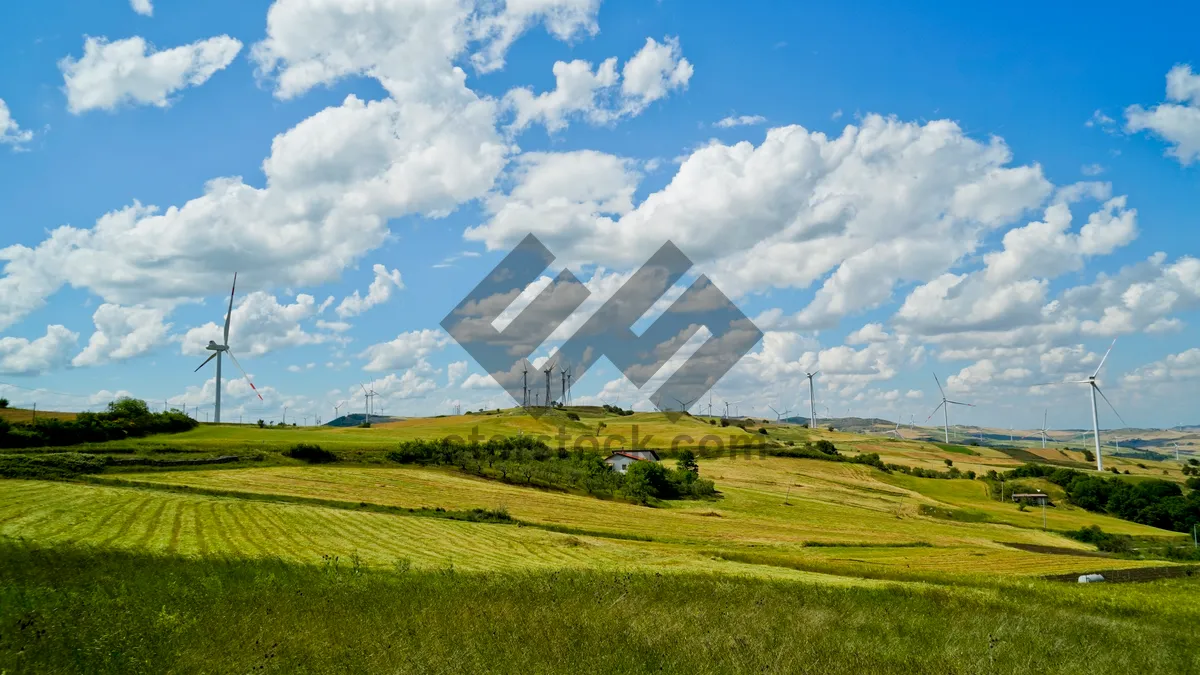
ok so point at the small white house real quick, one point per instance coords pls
(621, 459)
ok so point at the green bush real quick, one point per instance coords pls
(124, 418)
(1111, 543)
(55, 465)
(3, 403)
(573, 416)
(313, 454)
(524, 460)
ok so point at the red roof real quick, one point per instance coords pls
(626, 454)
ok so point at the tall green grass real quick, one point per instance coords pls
(67, 610)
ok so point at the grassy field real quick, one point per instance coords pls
(24, 416)
(361, 565)
(63, 610)
(599, 430)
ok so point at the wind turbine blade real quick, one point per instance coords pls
(1110, 405)
(939, 384)
(1110, 348)
(248, 380)
(210, 358)
(229, 314)
(364, 388)
(935, 410)
(969, 405)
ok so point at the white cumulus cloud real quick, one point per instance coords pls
(11, 133)
(122, 333)
(379, 292)
(21, 356)
(131, 72)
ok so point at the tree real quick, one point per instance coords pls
(949, 462)
(1088, 455)
(128, 408)
(261, 424)
(687, 462)
(3, 403)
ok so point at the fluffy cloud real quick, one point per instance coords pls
(333, 181)
(455, 371)
(564, 19)
(122, 333)
(11, 133)
(1138, 296)
(1176, 121)
(984, 374)
(739, 121)
(883, 203)
(655, 71)
(415, 382)
(259, 325)
(129, 72)
(579, 90)
(405, 351)
(872, 332)
(1175, 368)
(20, 356)
(143, 7)
(379, 292)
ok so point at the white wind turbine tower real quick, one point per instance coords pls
(1095, 389)
(367, 395)
(945, 407)
(1042, 431)
(216, 349)
(895, 431)
(812, 400)
(778, 415)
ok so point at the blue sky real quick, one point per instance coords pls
(856, 203)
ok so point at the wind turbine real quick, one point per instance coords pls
(548, 371)
(685, 405)
(337, 408)
(525, 385)
(944, 406)
(563, 375)
(1042, 431)
(367, 400)
(216, 349)
(1095, 389)
(1176, 446)
(895, 431)
(778, 415)
(812, 400)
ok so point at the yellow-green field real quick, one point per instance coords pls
(24, 416)
(775, 516)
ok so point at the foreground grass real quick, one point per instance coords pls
(84, 610)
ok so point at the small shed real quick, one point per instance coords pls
(1035, 497)
(621, 459)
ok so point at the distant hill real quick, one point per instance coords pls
(357, 419)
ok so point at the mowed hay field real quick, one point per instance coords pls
(835, 514)
(203, 526)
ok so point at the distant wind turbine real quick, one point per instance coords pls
(812, 400)
(1095, 389)
(945, 407)
(217, 349)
